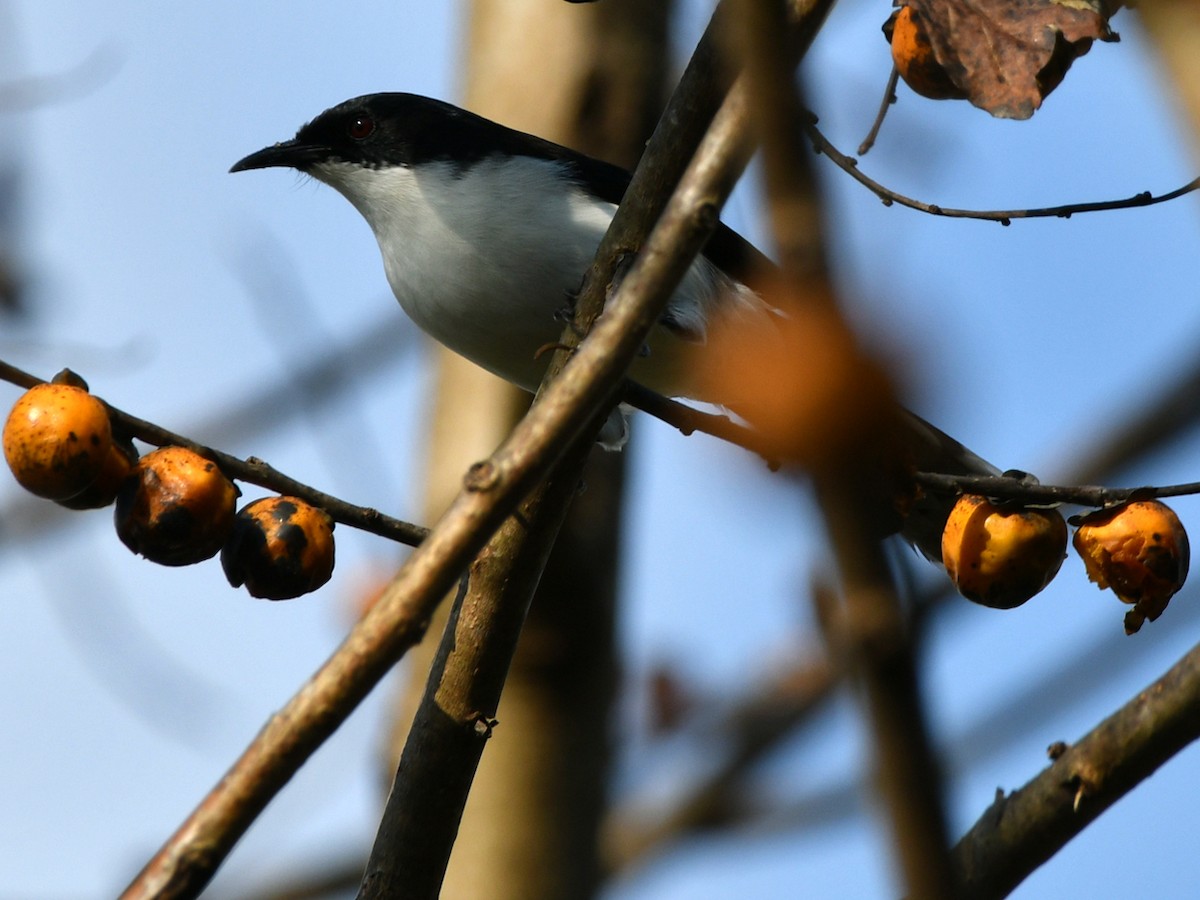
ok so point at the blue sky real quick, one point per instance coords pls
(129, 688)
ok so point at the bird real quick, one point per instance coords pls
(486, 233)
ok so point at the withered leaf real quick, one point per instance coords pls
(1007, 55)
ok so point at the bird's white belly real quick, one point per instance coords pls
(484, 258)
(495, 306)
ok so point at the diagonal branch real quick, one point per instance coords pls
(397, 621)
(454, 719)
(745, 734)
(456, 714)
(492, 491)
(1021, 831)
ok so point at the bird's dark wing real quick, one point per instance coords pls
(725, 249)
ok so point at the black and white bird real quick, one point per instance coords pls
(486, 232)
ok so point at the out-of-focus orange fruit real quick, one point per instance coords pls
(1140, 550)
(914, 57)
(176, 508)
(281, 547)
(812, 394)
(1001, 556)
(56, 440)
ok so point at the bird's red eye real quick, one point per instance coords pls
(361, 127)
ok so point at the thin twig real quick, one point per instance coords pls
(849, 165)
(1003, 487)
(251, 470)
(688, 420)
(889, 98)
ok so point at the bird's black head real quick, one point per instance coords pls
(393, 129)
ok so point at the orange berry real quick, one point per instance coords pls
(1140, 550)
(176, 508)
(1001, 556)
(281, 547)
(56, 440)
(914, 57)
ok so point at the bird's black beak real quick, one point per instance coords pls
(291, 154)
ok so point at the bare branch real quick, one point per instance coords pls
(889, 97)
(849, 165)
(1021, 831)
(36, 91)
(1005, 487)
(457, 714)
(419, 825)
(251, 470)
(1152, 423)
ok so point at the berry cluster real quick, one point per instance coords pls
(173, 506)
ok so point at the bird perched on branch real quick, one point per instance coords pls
(486, 232)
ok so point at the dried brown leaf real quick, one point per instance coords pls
(1007, 55)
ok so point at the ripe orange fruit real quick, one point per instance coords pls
(1001, 556)
(281, 547)
(1140, 550)
(176, 508)
(56, 440)
(914, 57)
